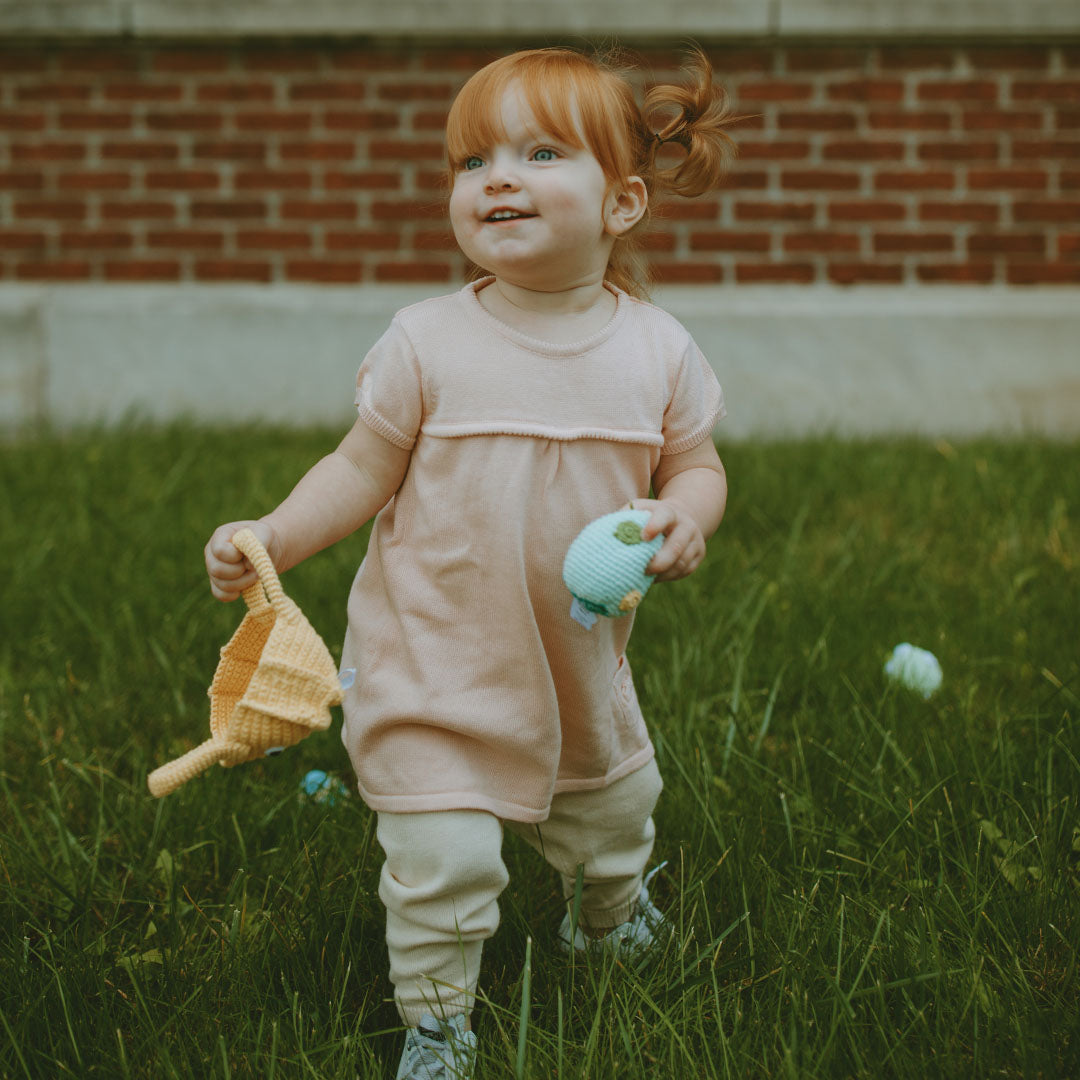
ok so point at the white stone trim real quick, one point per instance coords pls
(939, 362)
(467, 20)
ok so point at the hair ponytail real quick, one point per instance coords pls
(701, 115)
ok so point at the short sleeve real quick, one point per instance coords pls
(695, 405)
(389, 392)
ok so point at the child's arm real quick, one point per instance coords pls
(332, 500)
(691, 494)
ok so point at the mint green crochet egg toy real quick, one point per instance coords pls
(604, 568)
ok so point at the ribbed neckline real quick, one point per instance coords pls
(545, 348)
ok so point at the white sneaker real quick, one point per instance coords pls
(438, 1050)
(631, 940)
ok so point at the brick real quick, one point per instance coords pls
(53, 92)
(1042, 274)
(864, 274)
(98, 59)
(50, 209)
(1007, 179)
(915, 180)
(95, 120)
(318, 150)
(863, 150)
(230, 150)
(414, 91)
(95, 240)
(912, 243)
(327, 90)
(1023, 57)
(1068, 245)
(429, 119)
(406, 210)
(747, 180)
(197, 120)
(863, 91)
(728, 240)
(435, 181)
(1046, 148)
(273, 239)
(265, 120)
(22, 239)
(227, 209)
(731, 61)
(774, 210)
(656, 240)
(52, 270)
(139, 150)
(325, 271)
(822, 243)
(388, 59)
(902, 57)
(1066, 119)
(971, 150)
(958, 90)
(686, 273)
(866, 210)
(1006, 244)
(360, 120)
(21, 179)
(773, 149)
(815, 120)
(142, 270)
(319, 209)
(1048, 211)
(137, 210)
(256, 270)
(93, 180)
(283, 61)
(405, 150)
(774, 90)
(771, 274)
(182, 179)
(49, 152)
(908, 120)
(361, 180)
(1001, 120)
(960, 212)
(418, 271)
(142, 91)
(186, 239)
(262, 179)
(1053, 91)
(21, 120)
(434, 240)
(195, 61)
(1069, 179)
(974, 273)
(242, 90)
(337, 239)
(819, 180)
(25, 61)
(825, 59)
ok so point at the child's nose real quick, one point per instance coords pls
(501, 177)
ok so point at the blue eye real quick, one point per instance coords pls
(545, 153)
(473, 161)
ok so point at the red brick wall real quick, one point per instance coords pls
(321, 163)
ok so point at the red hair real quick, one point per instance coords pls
(586, 101)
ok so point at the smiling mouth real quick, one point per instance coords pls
(507, 215)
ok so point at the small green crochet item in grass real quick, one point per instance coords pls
(604, 568)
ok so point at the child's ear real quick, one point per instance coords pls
(625, 206)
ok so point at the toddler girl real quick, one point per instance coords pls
(494, 423)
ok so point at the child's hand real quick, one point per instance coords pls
(230, 572)
(684, 544)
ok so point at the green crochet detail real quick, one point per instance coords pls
(628, 532)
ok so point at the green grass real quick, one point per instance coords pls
(865, 884)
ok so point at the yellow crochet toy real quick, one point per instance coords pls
(274, 684)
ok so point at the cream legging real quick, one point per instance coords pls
(444, 872)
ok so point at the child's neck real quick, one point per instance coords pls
(560, 317)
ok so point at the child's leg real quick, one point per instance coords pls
(440, 884)
(610, 832)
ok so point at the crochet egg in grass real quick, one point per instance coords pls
(604, 568)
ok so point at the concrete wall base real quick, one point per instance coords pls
(940, 362)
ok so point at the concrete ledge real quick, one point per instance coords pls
(467, 20)
(794, 361)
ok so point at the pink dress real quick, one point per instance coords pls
(475, 689)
